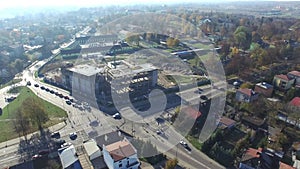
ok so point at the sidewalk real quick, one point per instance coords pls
(17, 140)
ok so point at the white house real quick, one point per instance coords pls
(69, 158)
(120, 155)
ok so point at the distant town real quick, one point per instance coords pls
(213, 85)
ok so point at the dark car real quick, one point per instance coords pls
(68, 102)
(28, 83)
(42, 87)
(47, 90)
(36, 85)
(44, 152)
(66, 97)
(203, 97)
(55, 135)
(73, 136)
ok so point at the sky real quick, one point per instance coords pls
(10, 8)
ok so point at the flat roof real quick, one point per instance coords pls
(123, 68)
(91, 147)
(85, 70)
(67, 156)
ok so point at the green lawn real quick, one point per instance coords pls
(8, 116)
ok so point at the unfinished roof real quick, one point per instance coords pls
(120, 150)
(85, 70)
(123, 68)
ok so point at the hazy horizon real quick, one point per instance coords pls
(12, 8)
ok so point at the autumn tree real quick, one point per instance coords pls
(172, 42)
(243, 37)
(133, 38)
(34, 110)
(22, 123)
(171, 163)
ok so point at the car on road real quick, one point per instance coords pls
(66, 97)
(28, 83)
(52, 91)
(47, 90)
(185, 145)
(66, 145)
(203, 97)
(68, 102)
(36, 85)
(42, 87)
(55, 135)
(117, 116)
(73, 136)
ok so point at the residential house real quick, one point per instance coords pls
(283, 82)
(226, 122)
(261, 159)
(246, 95)
(294, 104)
(69, 158)
(264, 89)
(121, 155)
(295, 75)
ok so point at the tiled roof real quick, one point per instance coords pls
(191, 112)
(227, 121)
(252, 153)
(248, 92)
(120, 150)
(283, 77)
(285, 166)
(295, 73)
(295, 102)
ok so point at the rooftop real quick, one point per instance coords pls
(295, 73)
(283, 77)
(191, 112)
(252, 153)
(85, 70)
(123, 68)
(295, 102)
(91, 147)
(120, 150)
(264, 85)
(246, 91)
(285, 166)
(227, 121)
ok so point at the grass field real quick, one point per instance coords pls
(8, 116)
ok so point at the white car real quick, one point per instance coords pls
(117, 116)
(66, 145)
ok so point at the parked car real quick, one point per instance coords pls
(73, 136)
(117, 116)
(55, 135)
(28, 83)
(36, 85)
(185, 145)
(68, 102)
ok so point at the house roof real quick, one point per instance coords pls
(264, 85)
(296, 146)
(191, 112)
(91, 147)
(252, 153)
(283, 77)
(120, 150)
(295, 73)
(67, 156)
(295, 102)
(227, 121)
(285, 166)
(246, 91)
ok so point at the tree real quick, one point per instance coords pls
(243, 37)
(171, 163)
(172, 42)
(35, 111)
(133, 38)
(22, 124)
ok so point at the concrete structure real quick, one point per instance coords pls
(69, 158)
(264, 89)
(123, 77)
(84, 81)
(120, 155)
(295, 75)
(246, 95)
(283, 82)
(92, 150)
